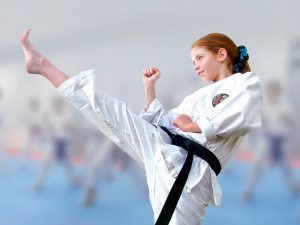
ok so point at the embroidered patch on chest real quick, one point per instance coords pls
(218, 99)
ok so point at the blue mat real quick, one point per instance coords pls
(120, 202)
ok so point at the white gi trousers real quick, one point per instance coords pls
(143, 142)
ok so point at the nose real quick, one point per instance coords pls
(196, 66)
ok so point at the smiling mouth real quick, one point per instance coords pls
(199, 72)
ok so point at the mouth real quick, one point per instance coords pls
(199, 72)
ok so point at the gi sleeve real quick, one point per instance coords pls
(237, 114)
(153, 113)
(81, 86)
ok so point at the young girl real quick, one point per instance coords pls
(189, 144)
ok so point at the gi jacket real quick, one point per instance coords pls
(225, 111)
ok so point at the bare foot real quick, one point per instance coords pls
(33, 59)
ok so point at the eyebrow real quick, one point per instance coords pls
(198, 55)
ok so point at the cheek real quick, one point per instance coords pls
(204, 64)
(214, 66)
(208, 66)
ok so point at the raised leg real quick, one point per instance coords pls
(36, 63)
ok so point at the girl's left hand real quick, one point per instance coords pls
(182, 120)
(186, 124)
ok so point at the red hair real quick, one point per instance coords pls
(214, 41)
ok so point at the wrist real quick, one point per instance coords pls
(149, 89)
(149, 85)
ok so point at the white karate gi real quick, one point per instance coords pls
(223, 127)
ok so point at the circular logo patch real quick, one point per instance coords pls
(218, 99)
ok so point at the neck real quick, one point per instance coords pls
(224, 73)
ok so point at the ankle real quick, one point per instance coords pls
(44, 67)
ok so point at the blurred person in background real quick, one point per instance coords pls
(3, 156)
(98, 163)
(159, 142)
(293, 90)
(57, 147)
(272, 143)
(32, 119)
(102, 158)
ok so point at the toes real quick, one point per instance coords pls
(27, 32)
(25, 35)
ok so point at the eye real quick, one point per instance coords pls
(199, 57)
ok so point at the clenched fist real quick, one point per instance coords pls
(151, 75)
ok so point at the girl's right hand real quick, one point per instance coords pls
(151, 75)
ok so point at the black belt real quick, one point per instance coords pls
(193, 148)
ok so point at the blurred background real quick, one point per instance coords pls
(55, 168)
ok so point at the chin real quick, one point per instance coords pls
(205, 80)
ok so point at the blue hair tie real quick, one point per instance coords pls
(241, 59)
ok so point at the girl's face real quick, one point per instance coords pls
(207, 64)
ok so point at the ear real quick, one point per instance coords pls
(222, 54)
